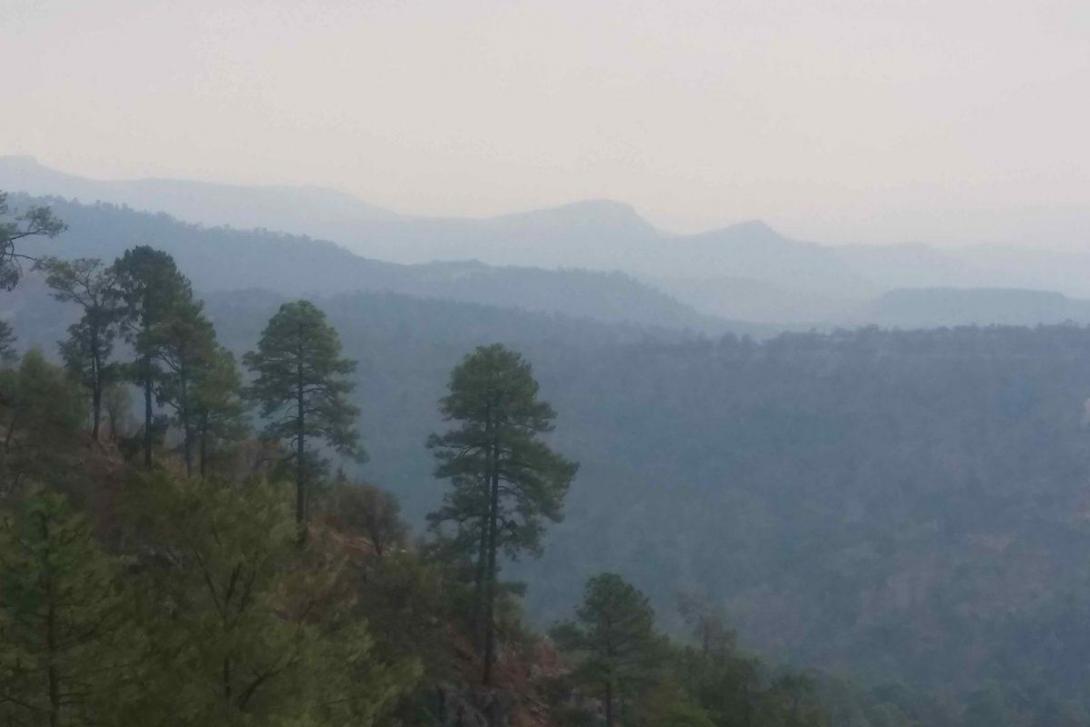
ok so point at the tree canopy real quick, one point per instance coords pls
(505, 480)
(301, 383)
(614, 632)
(151, 288)
(90, 343)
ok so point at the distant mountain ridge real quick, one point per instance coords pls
(223, 259)
(210, 203)
(594, 234)
(929, 307)
(747, 271)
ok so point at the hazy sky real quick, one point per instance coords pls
(945, 121)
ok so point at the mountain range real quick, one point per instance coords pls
(747, 271)
(225, 259)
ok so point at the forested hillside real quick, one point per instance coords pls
(904, 509)
(891, 506)
(547, 363)
(182, 562)
(901, 507)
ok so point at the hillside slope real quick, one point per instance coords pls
(900, 507)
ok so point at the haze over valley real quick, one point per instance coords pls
(545, 364)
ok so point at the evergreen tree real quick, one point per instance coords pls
(219, 411)
(614, 639)
(90, 341)
(34, 222)
(248, 628)
(302, 385)
(186, 345)
(505, 480)
(42, 412)
(67, 640)
(150, 286)
(708, 624)
(724, 682)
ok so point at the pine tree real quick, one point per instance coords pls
(67, 643)
(302, 385)
(505, 479)
(615, 637)
(42, 412)
(185, 343)
(725, 682)
(90, 341)
(218, 407)
(150, 286)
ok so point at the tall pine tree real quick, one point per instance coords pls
(87, 350)
(218, 407)
(185, 342)
(151, 287)
(614, 633)
(42, 412)
(505, 480)
(301, 382)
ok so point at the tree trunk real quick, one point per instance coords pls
(440, 705)
(52, 679)
(148, 411)
(204, 443)
(490, 583)
(609, 703)
(96, 408)
(187, 429)
(300, 448)
(478, 588)
(96, 387)
(481, 576)
(227, 681)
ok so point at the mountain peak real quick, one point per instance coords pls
(599, 214)
(753, 228)
(747, 233)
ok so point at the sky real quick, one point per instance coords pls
(858, 121)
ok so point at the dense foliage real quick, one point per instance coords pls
(900, 507)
